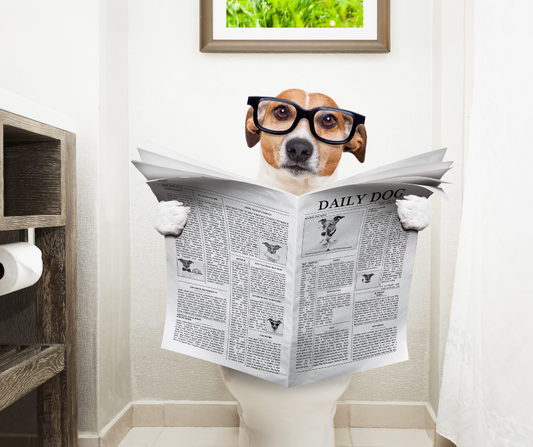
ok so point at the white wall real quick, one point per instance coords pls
(196, 103)
(71, 56)
(114, 363)
(58, 53)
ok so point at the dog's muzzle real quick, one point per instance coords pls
(299, 157)
(299, 150)
(329, 231)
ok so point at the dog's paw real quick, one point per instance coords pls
(414, 212)
(170, 217)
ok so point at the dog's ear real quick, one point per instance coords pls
(322, 221)
(337, 218)
(253, 134)
(357, 145)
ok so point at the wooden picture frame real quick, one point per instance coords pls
(379, 44)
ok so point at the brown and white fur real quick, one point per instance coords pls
(298, 163)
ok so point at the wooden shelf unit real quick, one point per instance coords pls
(38, 332)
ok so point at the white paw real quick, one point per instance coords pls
(414, 212)
(170, 217)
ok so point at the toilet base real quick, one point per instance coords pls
(272, 415)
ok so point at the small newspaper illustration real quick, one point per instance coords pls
(291, 289)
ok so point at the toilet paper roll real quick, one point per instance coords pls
(21, 265)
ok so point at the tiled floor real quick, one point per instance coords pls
(229, 437)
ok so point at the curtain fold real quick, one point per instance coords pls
(487, 389)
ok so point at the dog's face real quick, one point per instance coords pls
(367, 277)
(186, 263)
(274, 323)
(329, 226)
(271, 248)
(299, 154)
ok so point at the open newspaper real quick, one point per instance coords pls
(289, 289)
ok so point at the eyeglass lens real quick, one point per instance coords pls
(331, 125)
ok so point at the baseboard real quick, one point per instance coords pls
(350, 414)
(185, 414)
(119, 427)
(113, 433)
(224, 414)
(443, 442)
(431, 424)
(88, 440)
(431, 429)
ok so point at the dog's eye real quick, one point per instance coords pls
(328, 121)
(281, 112)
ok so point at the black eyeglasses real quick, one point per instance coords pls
(280, 116)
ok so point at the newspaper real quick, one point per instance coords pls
(291, 289)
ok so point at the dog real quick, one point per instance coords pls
(366, 278)
(271, 254)
(274, 324)
(329, 227)
(186, 265)
(298, 161)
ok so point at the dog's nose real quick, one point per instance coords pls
(323, 234)
(299, 150)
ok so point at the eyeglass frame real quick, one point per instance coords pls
(254, 101)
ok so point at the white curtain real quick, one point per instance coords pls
(487, 391)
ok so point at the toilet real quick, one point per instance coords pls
(273, 415)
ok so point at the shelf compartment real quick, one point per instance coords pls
(25, 367)
(34, 178)
(32, 173)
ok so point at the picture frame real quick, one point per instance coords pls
(214, 36)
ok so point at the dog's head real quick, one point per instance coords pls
(329, 226)
(367, 277)
(186, 263)
(274, 324)
(271, 248)
(299, 154)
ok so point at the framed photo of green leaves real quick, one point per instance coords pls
(295, 26)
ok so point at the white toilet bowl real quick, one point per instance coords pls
(273, 415)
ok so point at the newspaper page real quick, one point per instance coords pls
(231, 275)
(290, 289)
(353, 277)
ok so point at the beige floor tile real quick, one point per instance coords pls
(141, 436)
(389, 437)
(195, 436)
